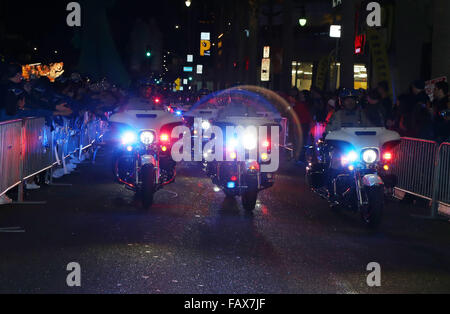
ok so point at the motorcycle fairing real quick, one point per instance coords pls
(145, 119)
(247, 121)
(362, 138)
(204, 114)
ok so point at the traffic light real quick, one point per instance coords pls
(148, 52)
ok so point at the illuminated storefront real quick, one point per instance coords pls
(361, 77)
(302, 74)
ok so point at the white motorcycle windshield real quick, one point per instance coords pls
(362, 138)
(145, 119)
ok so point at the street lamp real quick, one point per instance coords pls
(188, 3)
(302, 20)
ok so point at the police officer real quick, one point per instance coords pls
(351, 115)
(12, 94)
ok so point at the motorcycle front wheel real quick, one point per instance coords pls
(372, 213)
(148, 185)
(250, 196)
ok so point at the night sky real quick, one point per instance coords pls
(43, 23)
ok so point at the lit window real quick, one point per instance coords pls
(302, 75)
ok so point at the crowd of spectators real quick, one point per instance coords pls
(69, 101)
(72, 96)
(67, 97)
(413, 114)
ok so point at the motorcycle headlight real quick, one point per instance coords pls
(370, 156)
(129, 138)
(147, 137)
(249, 141)
(206, 125)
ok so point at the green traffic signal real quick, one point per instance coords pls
(148, 54)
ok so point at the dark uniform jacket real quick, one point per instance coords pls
(10, 94)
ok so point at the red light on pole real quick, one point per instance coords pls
(360, 42)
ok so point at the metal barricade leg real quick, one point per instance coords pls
(59, 162)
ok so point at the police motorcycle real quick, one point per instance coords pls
(201, 119)
(244, 177)
(142, 159)
(350, 168)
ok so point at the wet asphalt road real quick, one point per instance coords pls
(196, 241)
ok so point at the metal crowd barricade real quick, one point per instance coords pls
(414, 165)
(25, 151)
(10, 154)
(84, 133)
(423, 169)
(441, 195)
(38, 154)
(28, 147)
(73, 139)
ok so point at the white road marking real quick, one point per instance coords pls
(12, 230)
